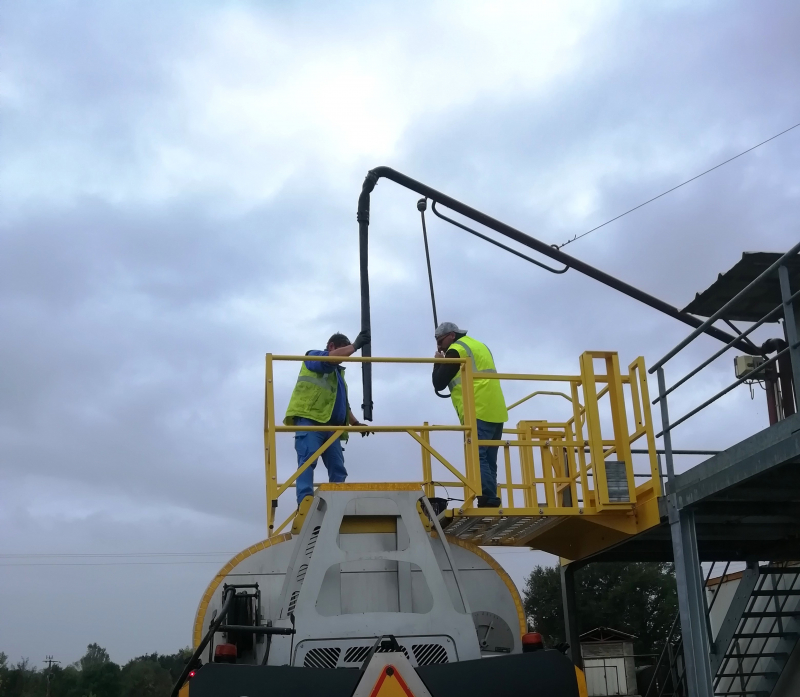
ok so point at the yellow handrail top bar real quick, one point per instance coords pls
(365, 359)
(392, 359)
(371, 429)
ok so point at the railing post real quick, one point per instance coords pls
(427, 470)
(509, 478)
(593, 431)
(619, 419)
(547, 471)
(270, 453)
(662, 388)
(471, 456)
(790, 318)
(571, 613)
(691, 600)
(638, 372)
(527, 466)
(580, 444)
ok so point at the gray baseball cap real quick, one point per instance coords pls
(447, 327)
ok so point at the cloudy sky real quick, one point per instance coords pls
(178, 186)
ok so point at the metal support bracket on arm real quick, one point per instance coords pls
(531, 242)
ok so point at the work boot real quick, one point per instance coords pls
(489, 502)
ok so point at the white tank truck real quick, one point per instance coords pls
(368, 596)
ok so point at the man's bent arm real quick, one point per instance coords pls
(443, 373)
(319, 366)
(344, 351)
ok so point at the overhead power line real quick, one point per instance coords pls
(744, 152)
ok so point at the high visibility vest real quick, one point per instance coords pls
(313, 397)
(490, 404)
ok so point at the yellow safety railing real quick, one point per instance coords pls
(563, 468)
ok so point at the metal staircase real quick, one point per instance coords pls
(764, 637)
(753, 643)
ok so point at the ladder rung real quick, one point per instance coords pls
(746, 693)
(763, 593)
(772, 613)
(770, 673)
(779, 654)
(763, 635)
(778, 570)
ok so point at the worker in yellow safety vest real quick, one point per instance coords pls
(320, 399)
(490, 405)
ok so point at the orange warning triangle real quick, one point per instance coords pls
(390, 684)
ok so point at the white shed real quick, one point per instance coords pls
(608, 662)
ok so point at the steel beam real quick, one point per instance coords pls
(691, 602)
(733, 616)
(571, 614)
(790, 315)
(756, 455)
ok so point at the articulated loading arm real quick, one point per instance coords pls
(363, 231)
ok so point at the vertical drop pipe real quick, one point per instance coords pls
(362, 217)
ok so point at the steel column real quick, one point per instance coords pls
(665, 428)
(571, 614)
(790, 320)
(691, 601)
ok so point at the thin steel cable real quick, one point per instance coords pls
(764, 142)
(422, 204)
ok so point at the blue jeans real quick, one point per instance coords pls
(306, 444)
(488, 456)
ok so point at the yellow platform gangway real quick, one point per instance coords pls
(567, 487)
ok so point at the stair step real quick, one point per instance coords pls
(765, 635)
(763, 593)
(772, 613)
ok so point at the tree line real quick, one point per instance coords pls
(637, 598)
(94, 675)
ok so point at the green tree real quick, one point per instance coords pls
(66, 682)
(95, 655)
(3, 672)
(173, 663)
(638, 598)
(101, 679)
(99, 676)
(145, 679)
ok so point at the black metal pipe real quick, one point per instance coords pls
(230, 594)
(363, 233)
(255, 629)
(366, 325)
(787, 390)
(771, 383)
